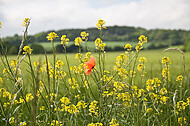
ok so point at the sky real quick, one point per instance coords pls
(48, 15)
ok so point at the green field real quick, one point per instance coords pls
(153, 67)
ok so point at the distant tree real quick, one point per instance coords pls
(187, 45)
(37, 48)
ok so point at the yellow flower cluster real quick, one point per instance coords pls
(128, 47)
(64, 40)
(182, 120)
(93, 109)
(51, 36)
(99, 44)
(26, 22)
(100, 24)
(142, 40)
(78, 40)
(0, 24)
(114, 123)
(27, 50)
(84, 35)
(95, 124)
(73, 83)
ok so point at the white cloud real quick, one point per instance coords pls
(59, 14)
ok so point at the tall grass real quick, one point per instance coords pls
(123, 88)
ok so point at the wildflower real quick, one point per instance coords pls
(54, 123)
(163, 91)
(89, 65)
(29, 97)
(7, 94)
(98, 41)
(100, 24)
(81, 104)
(166, 60)
(143, 39)
(72, 109)
(166, 74)
(23, 123)
(128, 47)
(95, 124)
(143, 59)
(164, 99)
(140, 67)
(78, 56)
(36, 64)
(27, 49)
(114, 122)
(132, 73)
(102, 46)
(181, 105)
(93, 109)
(73, 83)
(179, 78)
(149, 110)
(65, 100)
(182, 120)
(13, 63)
(78, 40)
(139, 47)
(6, 104)
(51, 36)
(0, 24)
(42, 108)
(11, 120)
(26, 22)
(84, 35)
(59, 64)
(1, 80)
(64, 40)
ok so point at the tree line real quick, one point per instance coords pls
(158, 37)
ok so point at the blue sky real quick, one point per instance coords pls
(60, 14)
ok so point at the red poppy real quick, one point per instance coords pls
(89, 65)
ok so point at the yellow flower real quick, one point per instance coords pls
(72, 109)
(98, 41)
(128, 47)
(84, 35)
(179, 78)
(51, 36)
(11, 120)
(166, 60)
(182, 120)
(65, 100)
(114, 122)
(81, 104)
(42, 108)
(23, 123)
(27, 49)
(139, 47)
(140, 67)
(100, 24)
(59, 64)
(26, 22)
(0, 24)
(1, 80)
(13, 63)
(143, 59)
(102, 45)
(93, 109)
(55, 123)
(143, 39)
(29, 97)
(64, 40)
(149, 110)
(78, 40)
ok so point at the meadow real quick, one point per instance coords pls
(129, 87)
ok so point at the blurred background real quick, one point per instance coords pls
(164, 22)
